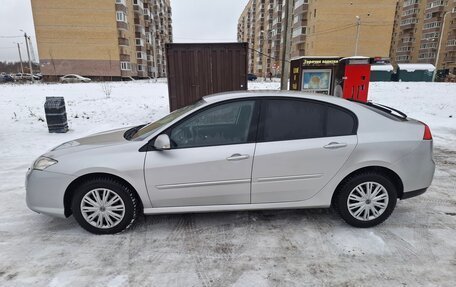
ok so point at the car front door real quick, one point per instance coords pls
(210, 161)
(301, 146)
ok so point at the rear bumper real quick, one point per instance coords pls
(413, 193)
(416, 169)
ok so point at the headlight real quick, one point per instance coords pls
(43, 162)
(66, 145)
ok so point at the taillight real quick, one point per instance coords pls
(427, 133)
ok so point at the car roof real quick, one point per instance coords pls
(219, 97)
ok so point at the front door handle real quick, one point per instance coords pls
(237, 156)
(335, 145)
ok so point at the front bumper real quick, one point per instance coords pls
(45, 191)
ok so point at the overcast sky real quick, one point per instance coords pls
(193, 21)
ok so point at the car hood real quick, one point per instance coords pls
(107, 138)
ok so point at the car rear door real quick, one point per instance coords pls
(210, 162)
(301, 146)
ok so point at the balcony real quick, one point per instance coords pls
(138, 9)
(435, 6)
(124, 42)
(299, 39)
(301, 6)
(408, 23)
(450, 58)
(301, 30)
(122, 25)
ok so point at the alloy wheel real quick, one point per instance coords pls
(102, 208)
(367, 201)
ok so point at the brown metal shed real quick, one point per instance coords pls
(197, 70)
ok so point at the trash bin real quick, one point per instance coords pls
(56, 117)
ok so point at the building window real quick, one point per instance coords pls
(429, 55)
(409, 21)
(428, 45)
(435, 4)
(408, 39)
(139, 42)
(138, 3)
(432, 25)
(299, 31)
(141, 55)
(121, 16)
(404, 49)
(125, 66)
(410, 12)
(410, 2)
(402, 58)
(430, 35)
(140, 68)
(122, 2)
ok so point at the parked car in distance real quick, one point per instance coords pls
(251, 77)
(239, 151)
(74, 79)
(6, 78)
(25, 77)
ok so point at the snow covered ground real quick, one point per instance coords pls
(415, 247)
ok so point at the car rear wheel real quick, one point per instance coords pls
(366, 199)
(104, 206)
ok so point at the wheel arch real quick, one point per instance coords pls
(69, 192)
(397, 181)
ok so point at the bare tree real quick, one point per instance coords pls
(106, 87)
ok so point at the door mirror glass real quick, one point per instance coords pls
(162, 142)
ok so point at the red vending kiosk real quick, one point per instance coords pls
(341, 77)
(354, 77)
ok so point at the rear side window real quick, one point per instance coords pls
(339, 122)
(295, 119)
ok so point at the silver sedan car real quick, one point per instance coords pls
(240, 151)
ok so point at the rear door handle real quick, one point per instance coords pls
(335, 145)
(237, 156)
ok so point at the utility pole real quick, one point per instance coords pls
(286, 51)
(20, 57)
(27, 38)
(358, 24)
(440, 45)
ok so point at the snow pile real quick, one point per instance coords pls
(414, 67)
(387, 68)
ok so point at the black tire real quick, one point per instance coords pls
(341, 199)
(128, 197)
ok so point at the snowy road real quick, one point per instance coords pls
(415, 247)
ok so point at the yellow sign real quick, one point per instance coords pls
(320, 62)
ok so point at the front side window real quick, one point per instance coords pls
(149, 129)
(294, 119)
(220, 125)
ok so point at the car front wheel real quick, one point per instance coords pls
(366, 199)
(104, 206)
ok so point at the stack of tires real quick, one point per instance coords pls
(56, 117)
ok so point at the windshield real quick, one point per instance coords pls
(149, 129)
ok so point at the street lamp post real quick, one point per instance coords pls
(27, 38)
(440, 45)
(20, 57)
(358, 24)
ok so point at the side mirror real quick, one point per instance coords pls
(162, 142)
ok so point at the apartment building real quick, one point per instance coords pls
(258, 25)
(322, 28)
(103, 39)
(421, 26)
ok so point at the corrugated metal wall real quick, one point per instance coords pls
(197, 70)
